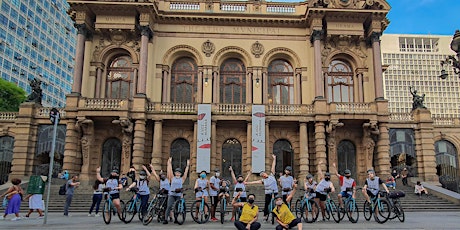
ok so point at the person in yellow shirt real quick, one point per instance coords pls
(284, 216)
(249, 213)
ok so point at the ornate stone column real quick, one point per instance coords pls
(246, 164)
(79, 58)
(215, 83)
(214, 161)
(383, 151)
(98, 82)
(304, 158)
(298, 86)
(157, 154)
(320, 144)
(146, 33)
(265, 86)
(86, 129)
(359, 78)
(250, 81)
(199, 93)
(378, 77)
(166, 80)
(268, 155)
(127, 142)
(319, 81)
(425, 152)
(71, 146)
(138, 144)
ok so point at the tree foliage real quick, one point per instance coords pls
(11, 96)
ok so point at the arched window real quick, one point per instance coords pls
(402, 149)
(6, 157)
(120, 78)
(180, 152)
(447, 164)
(339, 82)
(184, 80)
(284, 155)
(280, 82)
(111, 156)
(233, 82)
(346, 156)
(231, 156)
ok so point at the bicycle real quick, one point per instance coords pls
(110, 208)
(157, 207)
(395, 205)
(223, 206)
(239, 209)
(180, 209)
(201, 209)
(305, 206)
(331, 208)
(271, 206)
(380, 208)
(132, 207)
(351, 209)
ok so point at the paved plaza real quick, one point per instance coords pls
(414, 220)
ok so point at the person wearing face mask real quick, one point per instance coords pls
(347, 185)
(286, 182)
(114, 185)
(249, 213)
(239, 187)
(161, 178)
(270, 185)
(176, 181)
(324, 187)
(201, 190)
(284, 216)
(371, 186)
(143, 185)
(213, 192)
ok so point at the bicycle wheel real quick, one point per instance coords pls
(311, 211)
(237, 214)
(129, 211)
(352, 211)
(222, 210)
(341, 211)
(272, 206)
(382, 212)
(199, 215)
(122, 206)
(335, 212)
(367, 210)
(179, 212)
(299, 211)
(399, 210)
(107, 212)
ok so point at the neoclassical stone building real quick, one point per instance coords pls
(228, 83)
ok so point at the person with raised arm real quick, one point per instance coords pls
(114, 185)
(177, 179)
(347, 185)
(239, 187)
(143, 190)
(249, 213)
(161, 178)
(270, 185)
(284, 216)
(324, 187)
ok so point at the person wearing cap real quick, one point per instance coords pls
(142, 184)
(249, 213)
(372, 186)
(324, 187)
(347, 185)
(284, 216)
(176, 179)
(201, 190)
(286, 182)
(239, 187)
(310, 186)
(214, 183)
(270, 185)
(114, 185)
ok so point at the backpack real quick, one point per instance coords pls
(63, 189)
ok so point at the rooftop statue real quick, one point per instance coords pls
(417, 100)
(37, 92)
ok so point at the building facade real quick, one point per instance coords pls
(37, 40)
(230, 83)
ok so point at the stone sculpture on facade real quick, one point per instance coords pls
(370, 131)
(417, 100)
(37, 92)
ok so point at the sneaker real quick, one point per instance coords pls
(90, 214)
(41, 217)
(233, 219)
(2, 218)
(165, 222)
(214, 219)
(16, 219)
(97, 215)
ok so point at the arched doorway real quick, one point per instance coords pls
(346, 157)
(402, 150)
(111, 156)
(447, 165)
(284, 155)
(180, 153)
(6, 157)
(231, 156)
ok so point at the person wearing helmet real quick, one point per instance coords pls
(176, 181)
(270, 185)
(161, 178)
(201, 191)
(284, 216)
(347, 185)
(114, 186)
(142, 184)
(372, 185)
(286, 182)
(310, 186)
(324, 187)
(239, 188)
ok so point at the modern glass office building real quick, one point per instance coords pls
(37, 40)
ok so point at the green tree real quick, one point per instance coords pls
(11, 96)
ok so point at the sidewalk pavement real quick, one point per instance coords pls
(414, 220)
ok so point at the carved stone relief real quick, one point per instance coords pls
(208, 48)
(257, 49)
(345, 43)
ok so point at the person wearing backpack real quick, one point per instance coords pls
(70, 188)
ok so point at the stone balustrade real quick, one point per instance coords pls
(351, 107)
(45, 112)
(8, 116)
(232, 109)
(284, 109)
(105, 104)
(440, 121)
(401, 117)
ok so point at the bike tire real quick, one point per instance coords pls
(237, 214)
(335, 212)
(129, 211)
(341, 212)
(367, 211)
(383, 213)
(299, 211)
(179, 212)
(352, 211)
(202, 216)
(222, 211)
(311, 210)
(150, 212)
(399, 209)
(272, 203)
(107, 212)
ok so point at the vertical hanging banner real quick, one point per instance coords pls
(258, 138)
(203, 151)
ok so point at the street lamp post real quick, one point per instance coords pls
(451, 60)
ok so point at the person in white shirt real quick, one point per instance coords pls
(420, 190)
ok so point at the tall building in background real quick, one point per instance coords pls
(37, 40)
(414, 60)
